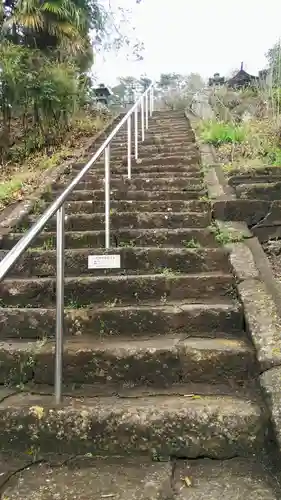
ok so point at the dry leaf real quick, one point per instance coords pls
(192, 396)
(187, 481)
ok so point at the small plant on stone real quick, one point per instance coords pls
(38, 207)
(126, 244)
(191, 243)
(224, 236)
(204, 198)
(23, 227)
(48, 244)
(72, 303)
(23, 371)
(168, 272)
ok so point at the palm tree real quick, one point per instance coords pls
(45, 25)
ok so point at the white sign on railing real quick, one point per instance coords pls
(104, 261)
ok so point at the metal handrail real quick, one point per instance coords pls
(146, 104)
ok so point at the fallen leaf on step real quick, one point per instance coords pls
(192, 396)
(187, 481)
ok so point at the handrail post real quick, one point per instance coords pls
(136, 134)
(107, 195)
(146, 110)
(142, 118)
(129, 146)
(59, 305)
(151, 101)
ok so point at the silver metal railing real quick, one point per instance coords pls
(144, 104)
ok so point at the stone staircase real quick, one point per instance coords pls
(156, 359)
(256, 200)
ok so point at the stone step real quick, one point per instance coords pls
(139, 478)
(157, 146)
(178, 134)
(158, 362)
(143, 195)
(172, 131)
(119, 176)
(123, 184)
(233, 479)
(154, 139)
(180, 160)
(267, 191)
(169, 115)
(118, 220)
(141, 170)
(150, 152)
(112, 291)
(254, 179)
(153, 142)
(158, 425)
(186, 160)
(134, 260)
(204, 319)
(188, 237)
(90, 206)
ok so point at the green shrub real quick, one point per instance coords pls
(218, 133)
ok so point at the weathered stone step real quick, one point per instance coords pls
(90, 206)
(121, 148)
(187, 160)
(140, 170)
(152, 151)
(188, 237)
(155, 142)
(267, 191)
(169, 115)
(182, 160)
(117, 290)
(133, 260)
(179, 133)
(155, 139)
(207, 319)
(139, 478)
(233, 479)
(185, 194)
(184, 426)
(159, 184)
(259, 170)
(121, 176)
(169, 125)
(123, 220)
(156, 362)
(254, 179)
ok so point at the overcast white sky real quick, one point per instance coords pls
(201, 36)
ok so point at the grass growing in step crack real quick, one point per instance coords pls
(112, 303)
(102, 328)
(166, 271)
(72, 303)
(23, 372)
(23, 227)
(126, 244)
(38, 207)
(48, 244)
(204, 198)
(163, 298)
(225, 236)
(191, 243)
